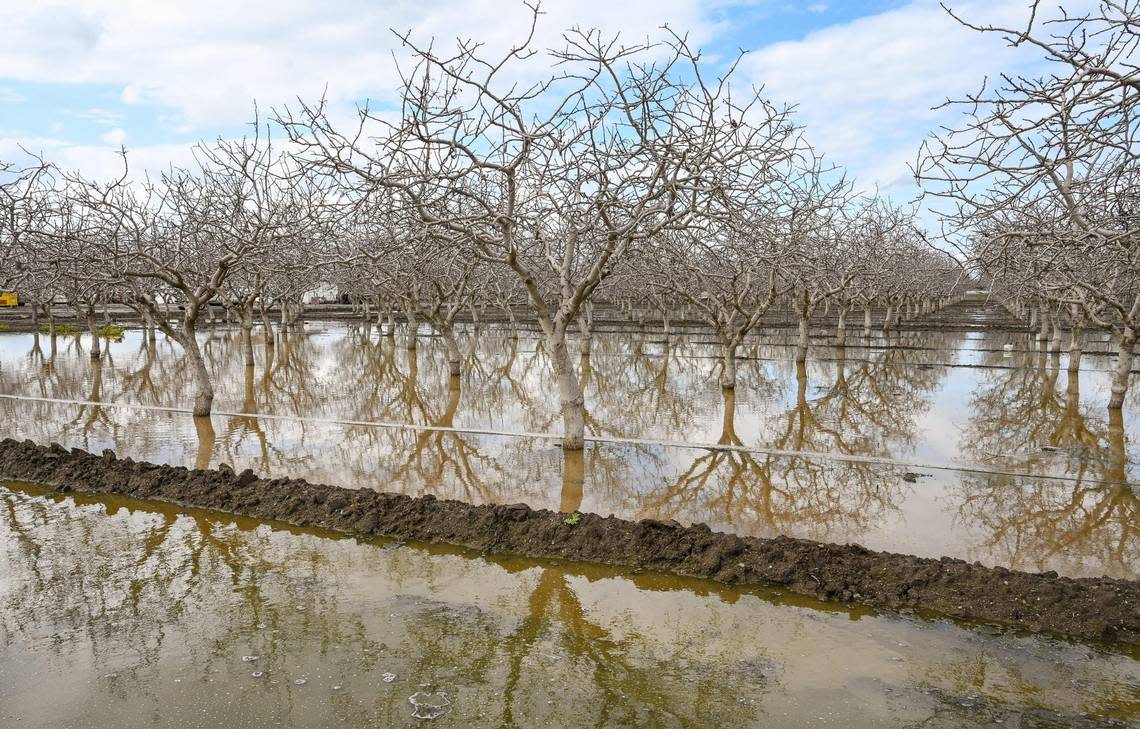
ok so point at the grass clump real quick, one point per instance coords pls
(60, 329)
(110, 331)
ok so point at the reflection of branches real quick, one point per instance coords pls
(448, 457)
(1089, 515)
(156, 590)
(867, 410)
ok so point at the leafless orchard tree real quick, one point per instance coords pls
(191, 230)
(727, 277)
(1041, 176)
(27, 198)
(560, 179)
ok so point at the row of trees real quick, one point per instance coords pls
(1042, 183)
(624, 174)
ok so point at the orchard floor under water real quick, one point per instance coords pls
(123, 613)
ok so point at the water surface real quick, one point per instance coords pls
(931, 443)
(125, 614)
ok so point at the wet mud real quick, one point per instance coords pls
(1100, 609)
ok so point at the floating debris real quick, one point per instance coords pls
(912, 477)
(249, 659)
(257, 674)
(300, 682)
(388, 677)
(428, 705)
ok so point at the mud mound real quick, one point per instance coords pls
(1097, 609)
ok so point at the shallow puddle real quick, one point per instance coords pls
(125, 614)
(931, 443)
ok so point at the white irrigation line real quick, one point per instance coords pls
(781, 452)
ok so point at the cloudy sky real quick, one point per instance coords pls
(79, 78)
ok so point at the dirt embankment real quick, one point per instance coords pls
(1097, 609)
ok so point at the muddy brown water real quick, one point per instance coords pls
(123, 613)
(1049, 480)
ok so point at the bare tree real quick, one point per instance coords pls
(1041, 176)
(558, 180)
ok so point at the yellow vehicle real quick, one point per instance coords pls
(9, 298)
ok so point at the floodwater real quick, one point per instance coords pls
(929, 443)
(127, 614)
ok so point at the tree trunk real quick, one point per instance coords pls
(1076, 345)
(728, 368)
(571, 401)
(413, 325)
(149, 323)
(270, 337)
(247, 339)
(1055, 345)
(1123, 369)
(728, 420)
(454, 358)
(802, 345)
(887, 317)
(841, 328)
(511, 321)
(93, 327)
(586, 338)
(204, 388)
(867, 321)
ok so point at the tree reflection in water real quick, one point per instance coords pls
(1087, 520)
(893, 402)
(141, 616)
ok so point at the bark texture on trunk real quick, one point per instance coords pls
(571, 402)
(1123, 370)
(1076, 346)
(203, 386)
(247, 341)
(413, 325)
(454, 357)
(802, 345)
(728, 366)
(93, 328)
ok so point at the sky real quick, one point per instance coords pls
(80, 78)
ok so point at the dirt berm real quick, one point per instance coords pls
(1092, 608)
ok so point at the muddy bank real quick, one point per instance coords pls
(1095, 609)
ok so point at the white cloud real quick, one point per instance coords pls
(209, 59)
(103, 117)
(8, 96)
(98, 161)
(115, 137)
(865, 88)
